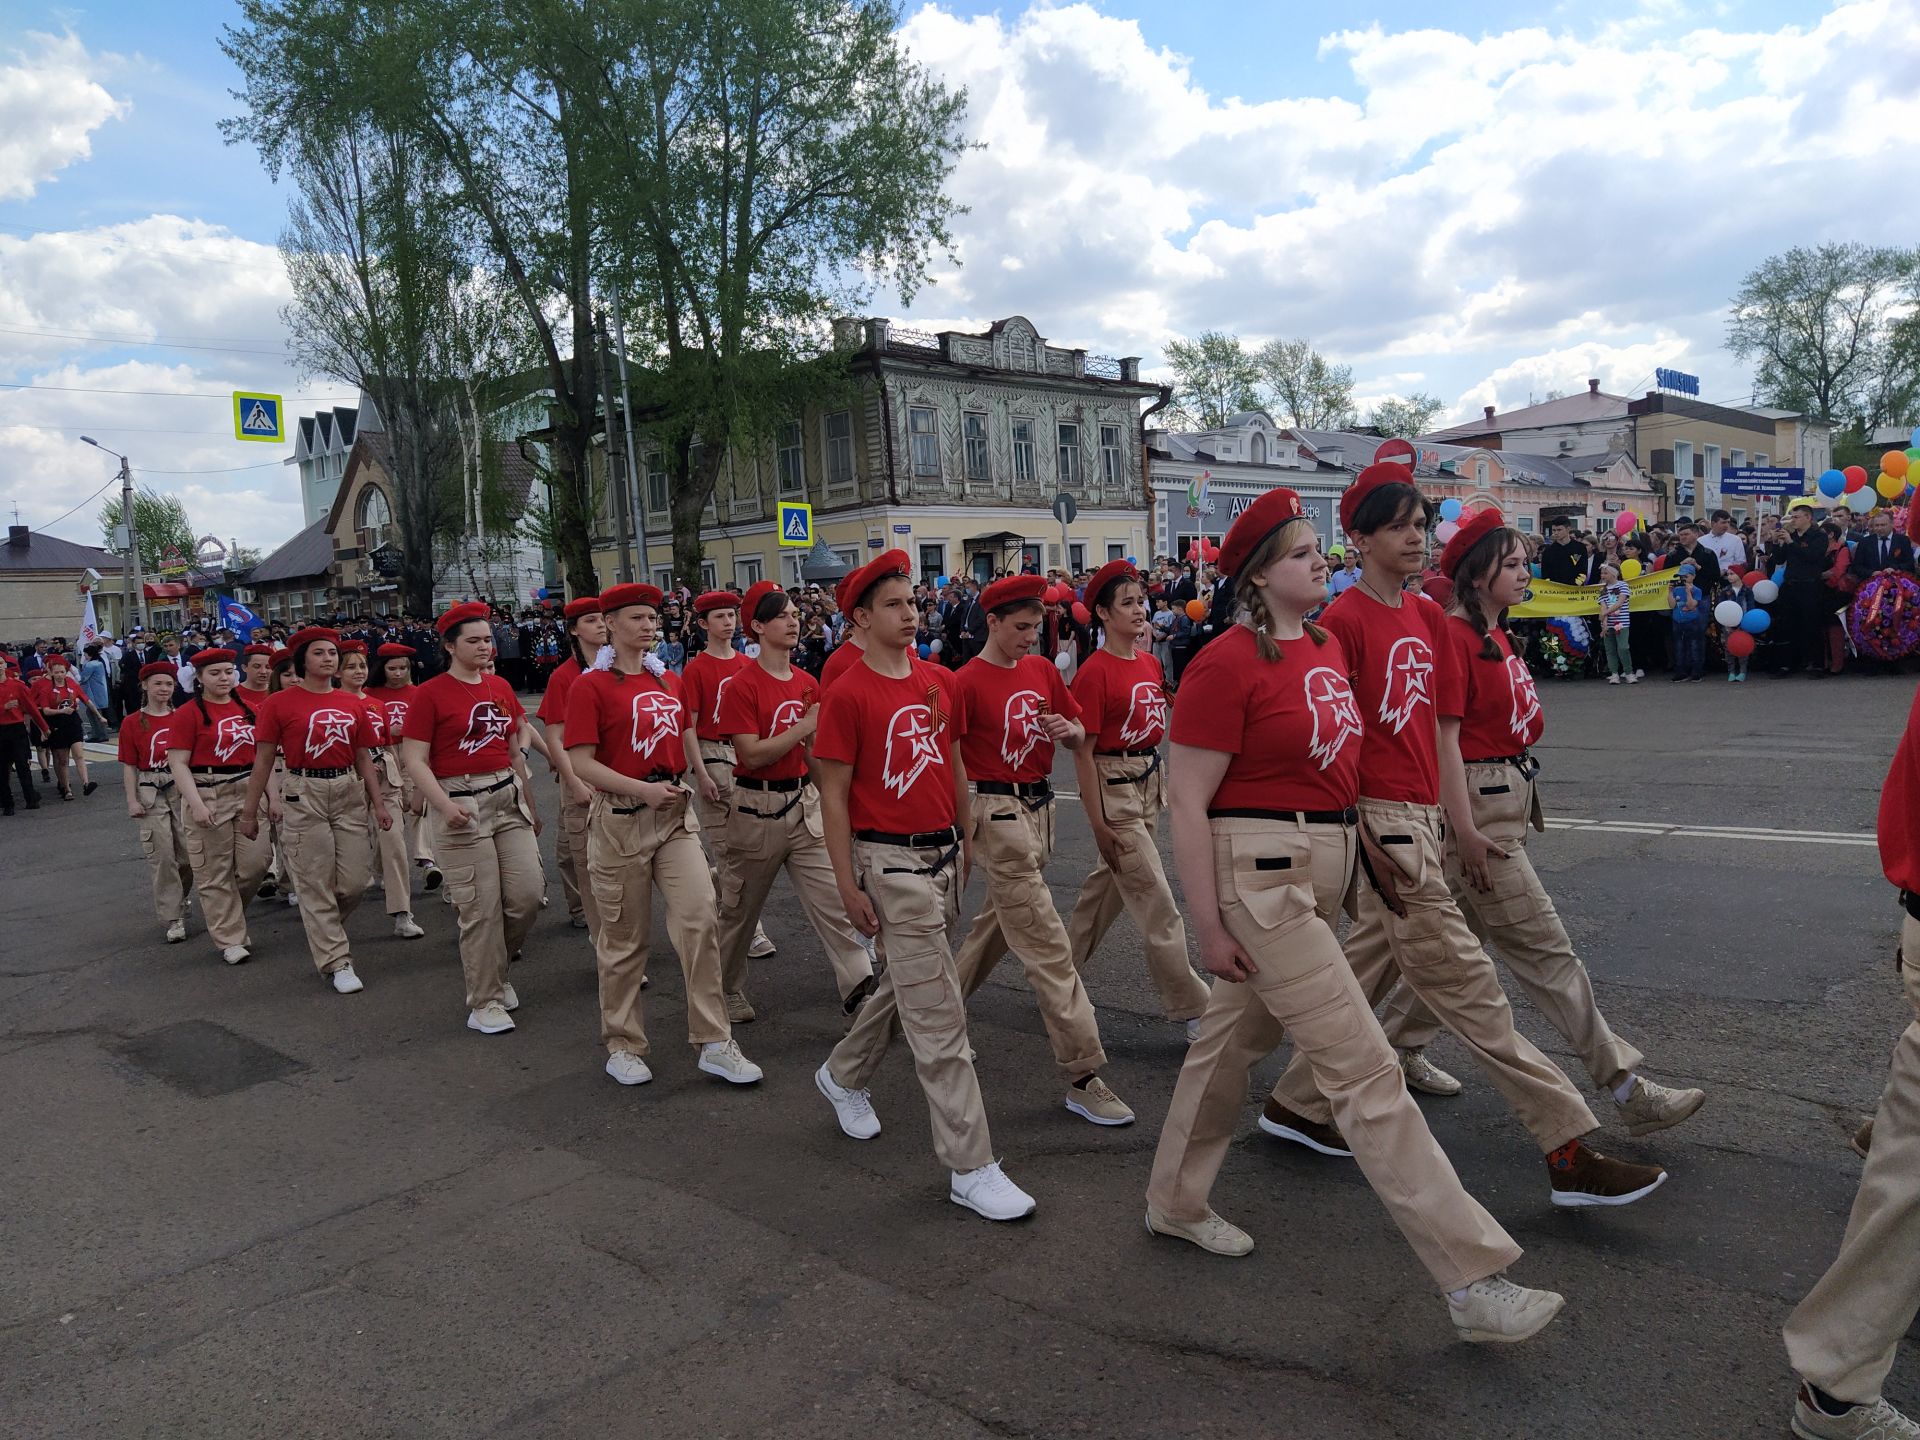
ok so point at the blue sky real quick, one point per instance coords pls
(1482, 201)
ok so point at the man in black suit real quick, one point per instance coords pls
(1687, 547)
(1881, 549)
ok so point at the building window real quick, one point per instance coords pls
(663, 577)
(1480, 473)
(1710, 470)
(792, 460)
(923, 441)
(1736, 458)
(1759, 457)
(746, 571)
(1112, 459)
(973, 429)
(373, 518)
(1076, 557)
(1116, 552)
(709, 575)
(1525, 522)
(1068, 452)
(933, 561)
(840, 450)
(848, 555)
(1258, 452)
(1023, 452)
(656, 485)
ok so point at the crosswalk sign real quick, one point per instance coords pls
(796, 523)
(258, 417)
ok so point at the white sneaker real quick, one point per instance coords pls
(406, 927)
(490, 1019)
(1635, 678)
(1193, 1029)
(628, 1068)
(761, 946)
(723, 1058)
(987, 1191)
(1613, 679)
(293, 900)
(508, 999)
(1499, 1312)
(853, 1108)
(176, 932)
(234, 954)
(1639, 674)
(345, 982)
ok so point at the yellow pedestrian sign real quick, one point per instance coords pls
(259, 417)
(796, 523)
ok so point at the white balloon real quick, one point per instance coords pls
(1728, 613)
(1765, 591)
(1063, 660)
(752, 652)
(933, 645)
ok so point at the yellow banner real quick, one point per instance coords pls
(1546, 598)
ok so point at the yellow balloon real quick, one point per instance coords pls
(1630, 570)
(1890, 485)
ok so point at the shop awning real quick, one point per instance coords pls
(167, 590)
(999, 537)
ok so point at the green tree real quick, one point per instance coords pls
(159, 524)
(1302, 388)
(1213, 377)
(1406, 417)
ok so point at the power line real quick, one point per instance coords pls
(229, 470)
(111, 479)
(157, 394)
(157, 343)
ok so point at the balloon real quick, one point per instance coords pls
(1832, 482)
(1766, 591)
(1133, 560)
(1063, 660)
(1913, 457)
(935, 644)
(1728, 613)
(1209, 550)
(1739, 644)
(1856, 476)
(1890, 485)
(1780, 575)
(1196, 609)
(1535, 567)
(1081, 614)
(926, 652)
(752, 652)
(1625, 523)
(1915, 437)
(1895, 462)
(1755, 622)
(1450, 509)
(1631, 569)
(939, 582)
(1445, 531)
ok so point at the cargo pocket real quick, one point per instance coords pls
(147, 844)
(928, 997)
(810, 813)
(609, 896)
(1421, 947)
(1122, 804)
(905, 900)
(1327, 1028)
(461, 886)
(1268, 876)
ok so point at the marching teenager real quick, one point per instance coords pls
(20, 719)
(706, 678)
(153, 797)
(769, 712)
(329, 790)
(628, 736)
(388, 856)
(1489, 717)
(279, 877)
(457, 750)
(1014, 708)
(1123, 703)
(393, 694)
(586, 633)
(60, 700)
(893, 791)
(256, 674)
(1404, 916)
(1266, 742)
(211, 752)
(853, 643)
(1843, 1337)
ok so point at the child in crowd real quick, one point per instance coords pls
(1737, 592)
(1689, 626)
(1616, 623)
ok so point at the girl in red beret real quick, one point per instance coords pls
(211, 751)
(60, 700)
(394, 664)
(586, 633)
(154, 800)
(1489, 718)
(1123, 700)
(18, 716)
(389, 854)
(458, 750)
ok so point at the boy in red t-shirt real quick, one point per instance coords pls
(151, 797)
(18, 716)
(586, 633)
(893, 789)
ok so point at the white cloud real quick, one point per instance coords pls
(50, 105)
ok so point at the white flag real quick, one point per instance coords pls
(89, 626)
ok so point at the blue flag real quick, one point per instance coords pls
(238, 618)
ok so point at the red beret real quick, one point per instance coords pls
(311, 635)
(1437, 588)
(213, 657)
(1255, 523)
(585, 605)
(353, 647)
(282, 656)
(56, 658)
(460, 614)
(396, 652)
(886, 567)
(618, 597)
(756, 592)
(842, 601)
(1013, 590)
(1108, 574)
(719, 600)
(266, 650)
(1381, 472)
(1472, 530)
(158, 667)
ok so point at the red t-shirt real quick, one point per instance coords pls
(1391, 657)
(1494, 700)
(1124, 701)
(143, 741)
(49, 696)
(845, 655)
(376, 713)
(1000, 709)
(468, 729)
(392, 702)
(759, 704)
(316, 732)
(1291, 725)
(1899, 822)
(633, 722)
(16, 703)
(222, 737)
(706, 682)
(553, 704)
(898, 736)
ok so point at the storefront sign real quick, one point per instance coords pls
(1677, 380)
(1759, 480)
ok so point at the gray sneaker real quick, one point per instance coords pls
(1212, 1234)
(1425, 1076)
(1878, 1421)
(1499, 1312)
(1650, 1107)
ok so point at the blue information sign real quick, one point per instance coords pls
(1759, 480)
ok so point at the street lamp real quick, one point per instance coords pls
(133, 580)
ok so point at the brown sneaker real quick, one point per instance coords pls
(1652, 1107)
(1094, 1101)
(1862, 1141)
(1587, 1177)
(1284, 1124)
(739, 1011)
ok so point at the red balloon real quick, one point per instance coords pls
(1209, 550)
(1856, 476)
(1081, 614)
(1058, 595)
(1739, 644)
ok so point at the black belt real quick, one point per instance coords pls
(333, 772)
(1910, 902)
(748, 783)
(652, 777)
(483, 790)
(1024, 789)
(1131, 754)
(1144, 775)
(921, 840)
(223, 774)
(1348, 816)
(159, 779)
(1523, 762)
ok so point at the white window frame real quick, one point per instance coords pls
(921, 554)
(840, 476)
(790, 563)
(656, 470)
(790, 461)
(1759, 459)
(1682, 474)
(929, 469)
(849, 555)
(1737, 459)
(746, 571)
(1113, 458)
(1116, 552)
(1023, 471)
(983, 475)
(1525, 524)
(1076, 556)
(1066, 453)
(709, 576)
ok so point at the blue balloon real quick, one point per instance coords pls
(1132, 560)
(939, 582)
(1755, 622)
(1833, 482)
(1450, 509)
(926, 652)
(1915, 437)
(1535, 567)
(1780, 575)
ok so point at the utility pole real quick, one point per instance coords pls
(619, 480)
(133, 580)
(639, 499)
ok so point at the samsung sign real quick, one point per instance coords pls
(1677, 380)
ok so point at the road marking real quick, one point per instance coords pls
(1715, 832)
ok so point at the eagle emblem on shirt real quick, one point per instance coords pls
(1409, 679)
(913, 743)
(157, 746)
(656, 717)
(1336, 715)
(1146, 714)
(326, 729)
(1526, 699)
(486, 723)
(719, 690)
(786, 715)
(396, 716)
(1022, 732)
(232, 735)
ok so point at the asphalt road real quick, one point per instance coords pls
(233, 1203)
